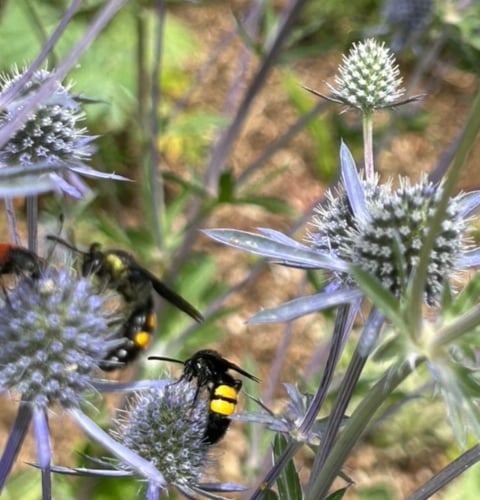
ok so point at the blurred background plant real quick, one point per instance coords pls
(202, 105)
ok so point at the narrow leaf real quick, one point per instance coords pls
(447, 474)
(137, 463)
(302, 306)
(15, 441)
(337, 495)
(288, 482)
(383, 299)
(26, 186)
(83, 471)
(353, 184)
(281, 238)
(469, 203)
(266, 247)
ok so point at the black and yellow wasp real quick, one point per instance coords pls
(118, 270)
(210, 370)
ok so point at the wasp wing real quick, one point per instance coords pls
(236, 368)
(173, 297)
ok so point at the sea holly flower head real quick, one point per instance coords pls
(51, 147)
(158, 439)
(54, 332)
(377, 228)
(381, 230)
(166, 427)
(388, 242)
(368, 79)
(52, 133)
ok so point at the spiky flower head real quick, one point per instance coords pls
(387, 242)
(375, 228)
(290, 421)
(52, 133)
(53, 333)
(51, 147)
(368, 78)
(166, 427)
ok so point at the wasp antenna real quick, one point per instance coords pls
(163, 358)
(61, 220)
(65, 243)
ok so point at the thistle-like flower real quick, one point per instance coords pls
(387, 243)
(55, 330)
(54, 334)
(374, 227)
(368, 79)
(50, 148)
(162, 435)
(289, 422)
(166, 427)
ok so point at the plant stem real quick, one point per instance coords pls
(356, 426)
(447, 474)
(367, 124)
(465, 323)
(336, 418)
(155, 176)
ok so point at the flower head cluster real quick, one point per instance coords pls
(166, 427)
(51, 134)
(51, 147)
(372, 226)
(368, 79)
(388, 242)
(53, 334)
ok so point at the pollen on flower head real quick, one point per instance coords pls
(166, 427)
(387, 243)
(51, 134)
(368, 78)
(53, 332)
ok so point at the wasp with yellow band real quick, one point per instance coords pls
(210, 370)
(118, 270)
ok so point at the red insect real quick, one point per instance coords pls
(19, 260)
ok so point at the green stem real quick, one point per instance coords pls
(464, 324)
(155, 170)
(367, 124)
(356, 426)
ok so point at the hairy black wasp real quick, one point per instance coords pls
(19, 260)
(210, 370)
(118, 270)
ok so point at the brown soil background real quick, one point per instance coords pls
(402, 465)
